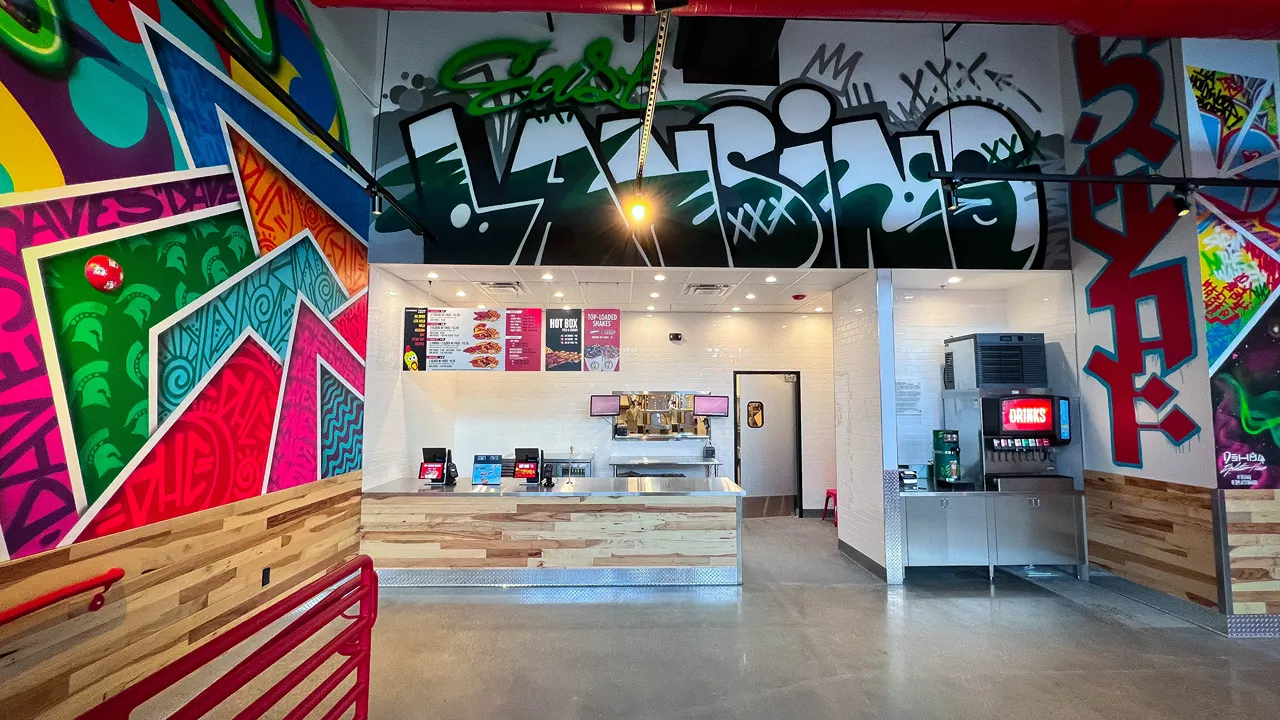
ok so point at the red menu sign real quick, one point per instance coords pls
(524, 339)
(1026, 414)
(601, 340)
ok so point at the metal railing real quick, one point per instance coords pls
(351, 586)
(104, 581)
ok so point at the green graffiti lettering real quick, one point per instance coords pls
(34, 34)
(590, 81)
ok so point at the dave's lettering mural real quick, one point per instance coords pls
(508, 161)
(1127, 281)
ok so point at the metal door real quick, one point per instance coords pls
(768, 432)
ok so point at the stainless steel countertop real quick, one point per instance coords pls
(565, 487)
(660, 460)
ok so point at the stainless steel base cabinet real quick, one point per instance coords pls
(1036, 529)
(946, 530)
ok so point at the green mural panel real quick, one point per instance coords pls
(101, 338)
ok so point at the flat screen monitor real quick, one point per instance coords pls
(711, 405)
(606, 405)
(529, 455)
(434, 455)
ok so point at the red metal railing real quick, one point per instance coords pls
(104, 581)
(352, 585)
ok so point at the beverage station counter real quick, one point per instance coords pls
(576, 531)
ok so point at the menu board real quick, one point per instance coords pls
(601, 340)
(564, 340)
(524, 339)
(415, 338)
(464, 339)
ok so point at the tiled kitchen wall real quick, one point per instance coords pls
(494, 412)
(859, 484)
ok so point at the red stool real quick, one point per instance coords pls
(835, 515)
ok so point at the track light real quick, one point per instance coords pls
(1182, 200)
(950, 195)
(376, 202)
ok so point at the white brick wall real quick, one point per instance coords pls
(386, 447)
(922, 319)
(856, 358)
(492, 413)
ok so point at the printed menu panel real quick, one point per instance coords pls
(524, 339)
(464, 339)
(564, 340)
(415, 338)
(601, 340)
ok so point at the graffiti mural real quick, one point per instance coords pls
(1235, 113)
(511, 152)
(149, 323)
(81, 99)
(1149, 304)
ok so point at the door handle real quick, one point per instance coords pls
(1034, 502)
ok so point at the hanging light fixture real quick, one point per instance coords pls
(1182, 200)
(639, 209)
(376, 201)
(950, 195)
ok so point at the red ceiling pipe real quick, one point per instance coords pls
(1239, 19)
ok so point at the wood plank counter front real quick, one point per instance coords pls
(582, 531)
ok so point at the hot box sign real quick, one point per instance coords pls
(1026, 414)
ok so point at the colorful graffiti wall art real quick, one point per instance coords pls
(522, 150)
(1240, 259)
(151, 324)
(1129, 285)
(81, 102)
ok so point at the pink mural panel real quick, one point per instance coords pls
(352, 323)
(295, 456)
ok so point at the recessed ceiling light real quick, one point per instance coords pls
(653, 295)
(771, 279)
(432, 275)
(751, 296)
(784, 327)
(728, 316)
(855, 310)
(911, 297)
(953, 279)
(566, 307)
(557, 294)
(650, 308)
(647, 315)
(392, 293)
(659, 277)
(802, 317)
(820, 310)
(1046, 299)
(737, 309)
(548, 276)
(461, 293)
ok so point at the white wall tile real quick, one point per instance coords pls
(856, 357)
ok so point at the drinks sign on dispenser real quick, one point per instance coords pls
(1026, 414)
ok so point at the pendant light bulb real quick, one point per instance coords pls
(950, 195)
(1182, 200)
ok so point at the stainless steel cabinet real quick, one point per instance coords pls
(1036, 529)
(946, 530)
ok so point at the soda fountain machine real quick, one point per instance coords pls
(1009, 423)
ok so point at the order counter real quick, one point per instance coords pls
(598, 531)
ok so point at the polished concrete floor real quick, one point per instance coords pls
(809, 636)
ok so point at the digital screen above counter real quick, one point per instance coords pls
(711, 405)
(606, 405)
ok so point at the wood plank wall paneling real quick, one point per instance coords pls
(1253, 542)
(421, 531)
(187, 580)
(1154, 533)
